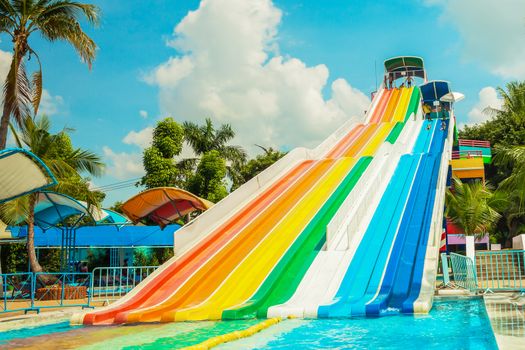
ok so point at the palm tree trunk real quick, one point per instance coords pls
(33, 261)
(4, 125)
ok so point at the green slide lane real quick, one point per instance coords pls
(412, 108)
(282, 282)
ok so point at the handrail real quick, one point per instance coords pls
(111, 283)
(28, 291)
(502, 270)
(466, 154)
(474, 143)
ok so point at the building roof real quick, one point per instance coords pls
(104, 236)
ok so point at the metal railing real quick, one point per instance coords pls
(474, 143)
(463, 273)
(111, 283)
(27, 291)
(501, 270)
(466, 154)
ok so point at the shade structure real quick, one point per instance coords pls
(405, 66)
(435, 90)
(452, 97)
(163, 205)
(21, 172)
(54, 208)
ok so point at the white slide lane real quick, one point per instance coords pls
(345, 230)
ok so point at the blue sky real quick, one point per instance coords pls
(219, 64)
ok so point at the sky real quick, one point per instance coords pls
(283, 73)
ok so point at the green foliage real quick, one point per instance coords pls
(50, 259)
(158, 159)
(168, 137)
(468, 205)
(208, 180)
(117, 207)
(97, 257)
(151, 256)
(14, 258)
(254, 166)
(205, 138)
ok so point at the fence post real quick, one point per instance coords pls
(444, 267)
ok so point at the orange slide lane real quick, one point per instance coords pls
(392, 104)
(154, 292)
(379, 111)
(208, 278)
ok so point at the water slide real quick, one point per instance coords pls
(412, 183)
(263, 200)
(303, 223)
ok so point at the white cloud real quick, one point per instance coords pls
(141, 138)
(123, 165)
(488, 97)
(231, 71)
(143, 114)
(493, 32)
(49, 104)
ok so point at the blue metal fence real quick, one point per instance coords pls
(27, 291)
(492, 271)
(111, 283)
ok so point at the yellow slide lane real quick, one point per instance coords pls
(251, 273)
(377, 141)
(399, 114)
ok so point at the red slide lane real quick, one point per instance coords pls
(148, 295)
(152, 293)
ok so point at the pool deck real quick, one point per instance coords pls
(507, 316)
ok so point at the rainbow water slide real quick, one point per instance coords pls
(258, 206)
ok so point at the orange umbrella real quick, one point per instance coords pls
(163, 205)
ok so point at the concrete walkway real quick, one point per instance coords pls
(507, 316)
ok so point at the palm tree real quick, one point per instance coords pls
(55, 20)
(65, 161)
(512, 189)
(205, 138)
(468, 205)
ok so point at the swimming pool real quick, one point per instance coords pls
(452, 324)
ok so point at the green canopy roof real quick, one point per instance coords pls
(411, 65)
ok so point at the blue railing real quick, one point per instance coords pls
(492, 271)
(111, 283)
(502, 270)
(34, 291)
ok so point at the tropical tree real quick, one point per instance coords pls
(254, 166)
(55, 20)
(208, 180)
(205, 138)
(506, 126)
(159, 159)
(468, 205)
(65, 161)
(512, 190)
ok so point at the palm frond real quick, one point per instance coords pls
(15, 211)
(17, 91)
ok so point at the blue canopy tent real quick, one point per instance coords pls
(21, 173)
(64, 213)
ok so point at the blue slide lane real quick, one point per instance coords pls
(411, 241)
(363, 277)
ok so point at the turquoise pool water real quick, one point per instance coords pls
(452, 324)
